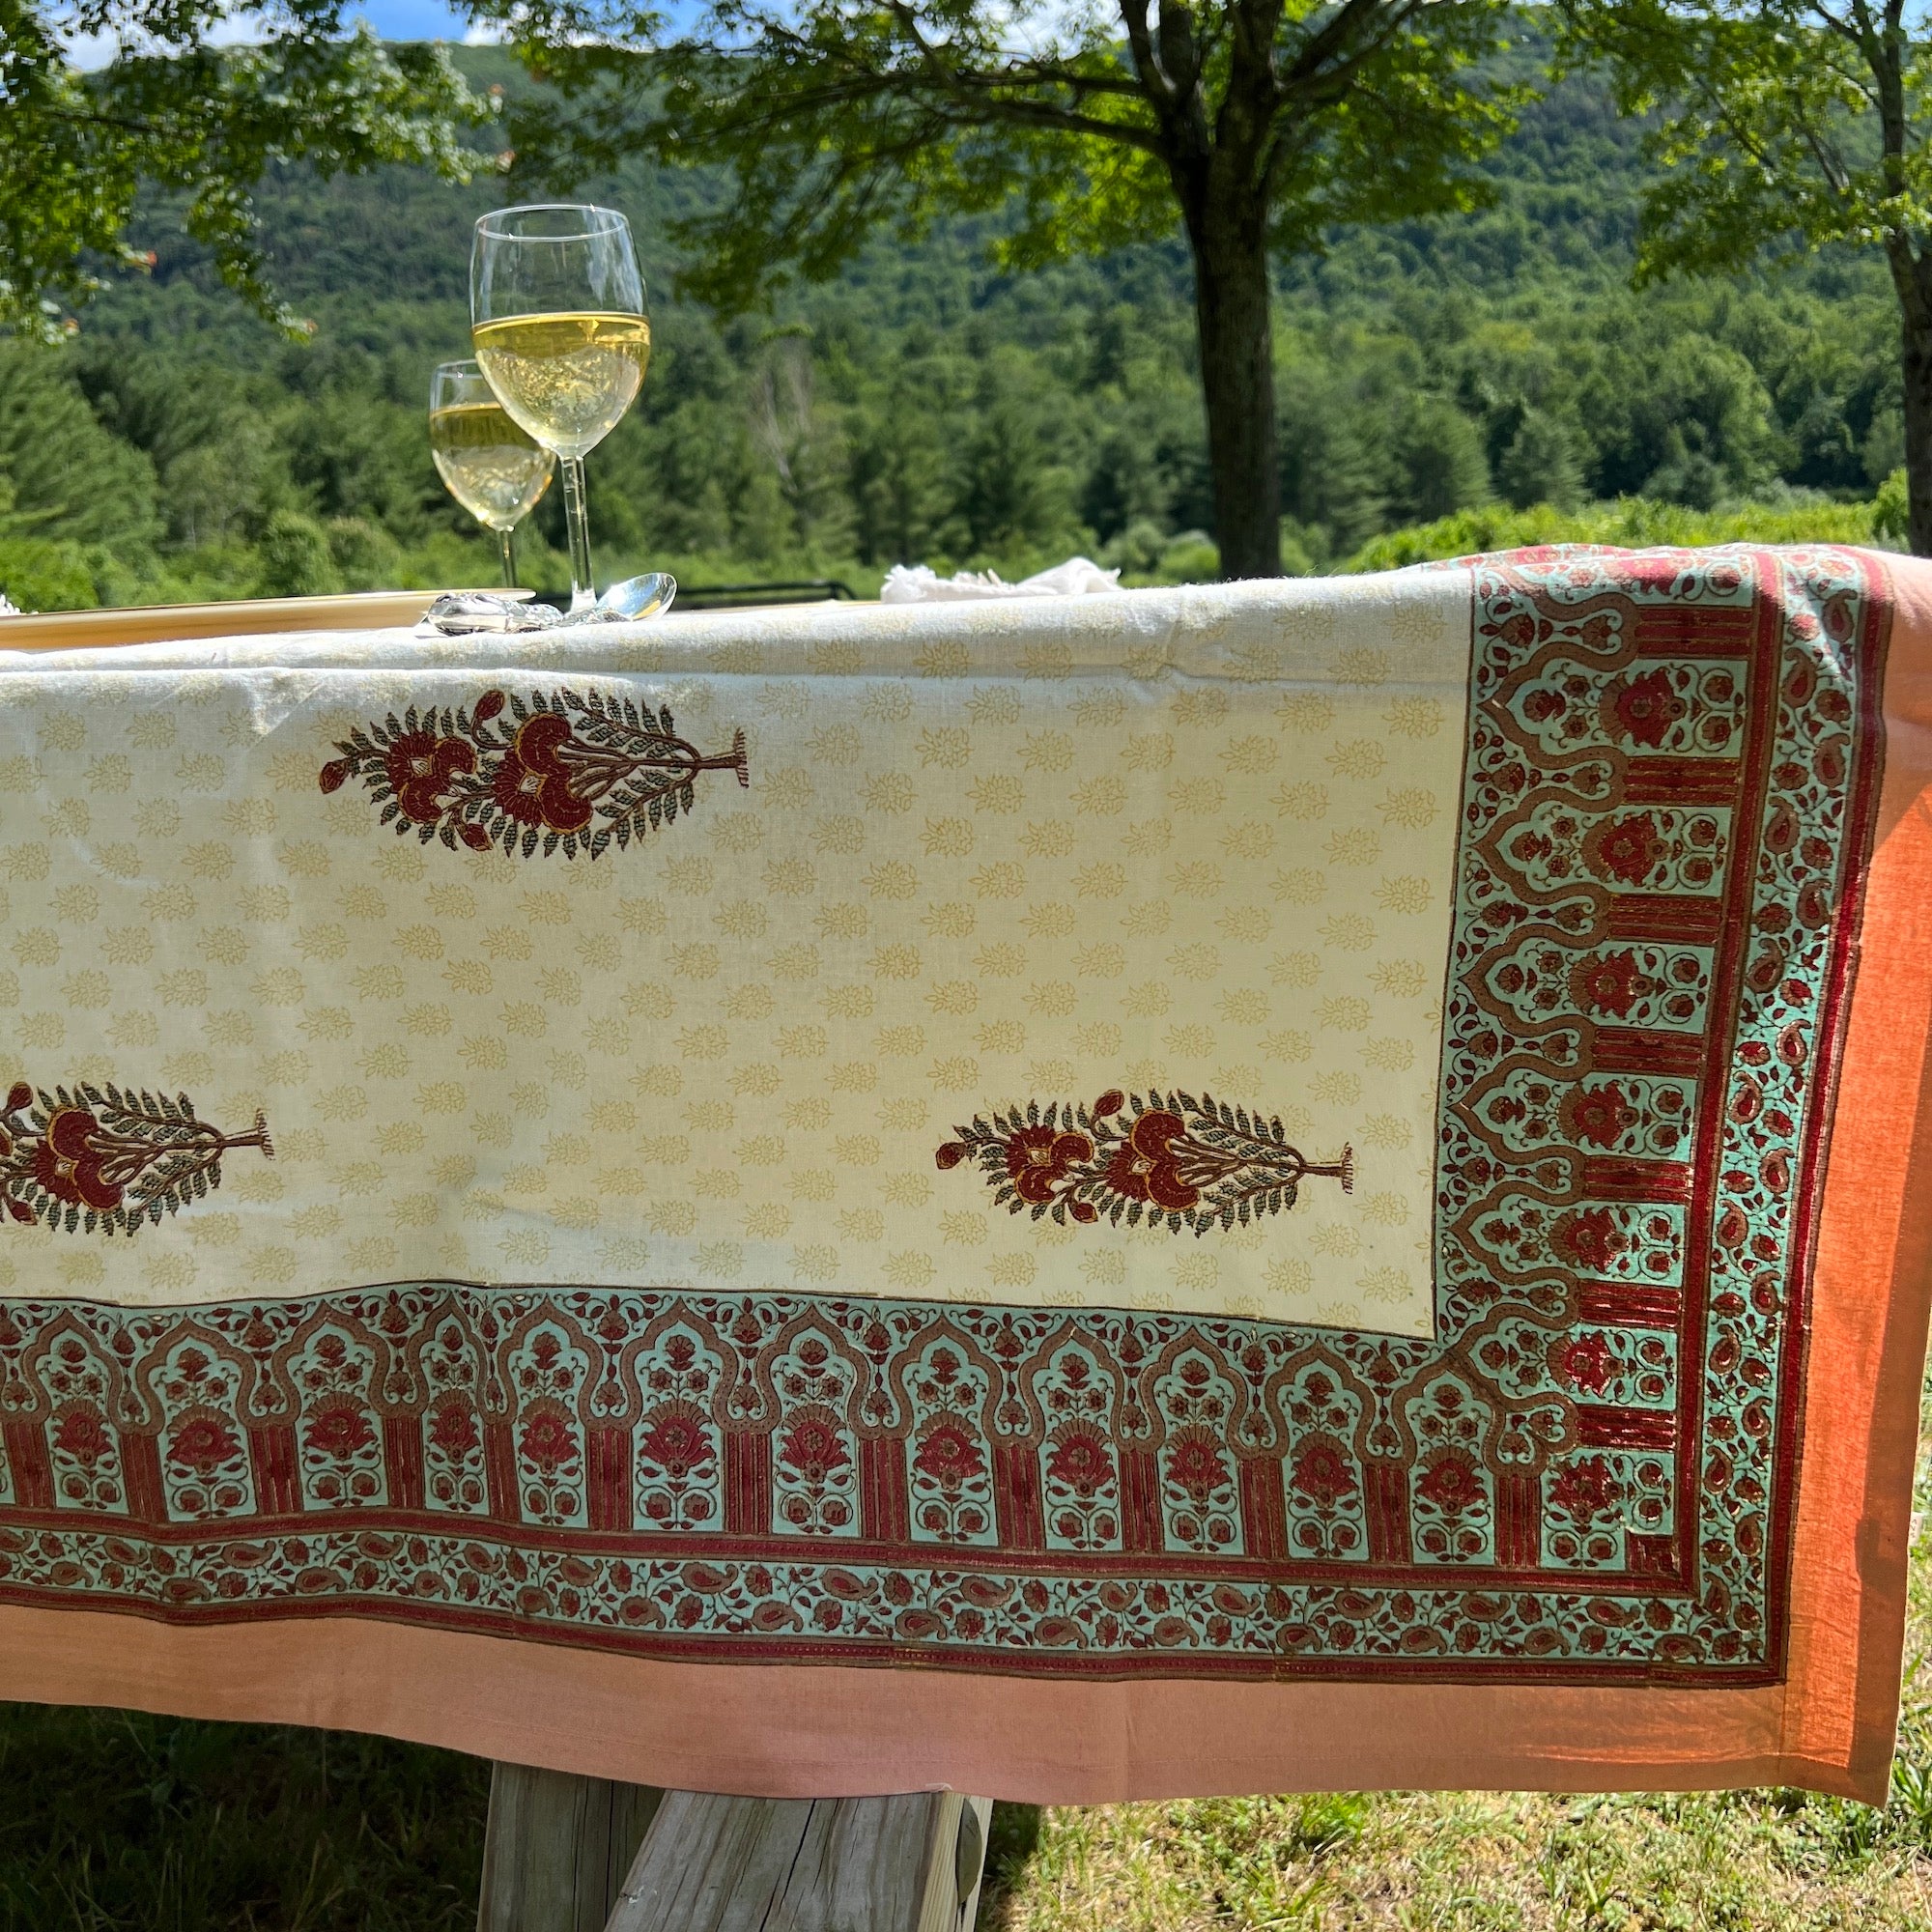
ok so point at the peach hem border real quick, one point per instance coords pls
(796, 1730)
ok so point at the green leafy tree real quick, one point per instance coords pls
(296, 557)
(67, 476)
(1440, 455)
(203, 123)
(1788, 126)
(1538, 463)
(1251, 125)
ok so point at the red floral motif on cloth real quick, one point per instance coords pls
(1626, 848)
(1080, 1458)
(339, 1430)
(950, 1456)
(547, 1441)
(82, 1434)
(1644, 707)
(1584, 1489)
(1321, 1471)
(1585, 1362)
(1146, 1166)
(1172, 1159)
(422, 768)
(71, 1162)
(1039, 1158)
(533, 784)
(1449, 1482)
(675, 1439)
(1599, 1115)
(452, 1428)
(561, 770)
(1590, 1239)
(203, 1443)
(103, 1157)
(1196, 1463)
(812, 1444)
(1609, 984)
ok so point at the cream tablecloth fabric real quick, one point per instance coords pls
(969, 860)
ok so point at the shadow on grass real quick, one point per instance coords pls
(1011, 1841)
(115, 1820)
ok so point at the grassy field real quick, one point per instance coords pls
(117, 1823)
(1459, 1861)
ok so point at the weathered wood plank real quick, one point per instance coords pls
(557, 1849)
(969, 1866)
(843, 1864)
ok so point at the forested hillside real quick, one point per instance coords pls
(925, 408)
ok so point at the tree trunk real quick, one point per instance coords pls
(1912, 276)
(1228, 232)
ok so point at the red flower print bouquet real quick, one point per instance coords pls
(570, 770)
(1167, 1159)
(91, 1157)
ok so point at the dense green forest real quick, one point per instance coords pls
(1474, 380)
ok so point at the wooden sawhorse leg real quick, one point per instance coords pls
(557, 1849)
(582, 1855)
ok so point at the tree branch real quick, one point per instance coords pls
(1154, 79)
(1312, 61)
(954, 99)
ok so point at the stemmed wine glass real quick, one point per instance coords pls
(487, 462)
(556, 314)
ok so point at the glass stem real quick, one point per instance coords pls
(583, 584)
(506, 543)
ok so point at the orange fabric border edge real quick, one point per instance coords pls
(829, 1731)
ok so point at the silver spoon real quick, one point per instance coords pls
(636, 597)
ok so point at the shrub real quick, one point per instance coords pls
(365, 554)
(1192, 557)
(294, 556)
(39, 574)
(1633, 522)
(1890, 510)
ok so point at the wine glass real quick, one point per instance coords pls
(557, 313)
(489, 463)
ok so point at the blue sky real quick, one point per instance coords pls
(394, 20)
(412, 19)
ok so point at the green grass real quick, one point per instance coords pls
(111, 1821)
(1478, 1861)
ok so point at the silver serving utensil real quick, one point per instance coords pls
(636, 597)
(467, 612)
(462, 613)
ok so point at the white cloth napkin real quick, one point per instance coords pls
(921, 585)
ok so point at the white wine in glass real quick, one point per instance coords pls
(571, 377)
(494, 468)
(556, 314)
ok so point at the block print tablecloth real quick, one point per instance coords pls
(1290, 1183)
